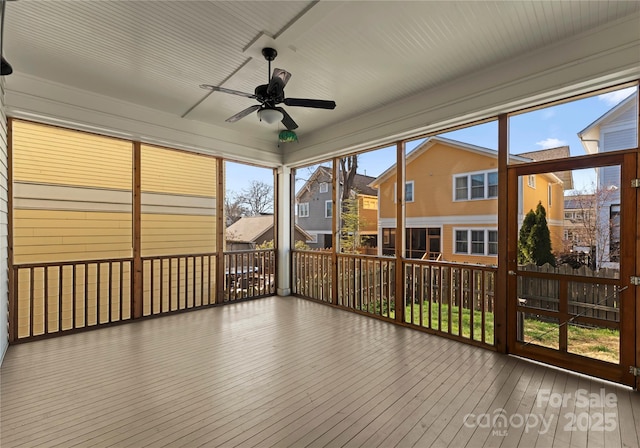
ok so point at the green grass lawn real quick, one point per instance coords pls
(442, 312)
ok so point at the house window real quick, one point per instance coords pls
(531, 180)
(614, 232)
(477, 186)
(492, 188)
(303, 210)
(568, 215)
(313, 239)
(461, 188)
(324, 187)
(408, 191)
(388, 241)
(549, 194)
(476, 242)
(493, 242)
(482, 185)
(462, 241)
(328, 209)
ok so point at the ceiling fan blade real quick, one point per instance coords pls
(287, 121)
(279, 79)
(303, 102)
(243, 113)
(231, 91)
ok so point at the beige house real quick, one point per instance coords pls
(451, 198)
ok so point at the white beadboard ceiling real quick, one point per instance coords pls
(363, 55)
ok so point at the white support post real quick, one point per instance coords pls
(285, 220)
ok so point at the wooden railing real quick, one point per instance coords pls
(367, 284)
(450, 298)
(178, 282)
(456, 300)
(312, 277)
(58, 297)
(249, 274)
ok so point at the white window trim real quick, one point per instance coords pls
(468, 176)
(531, 181)
(301, 206)
(395, 191)
(486, 231)
(325, 208)
(314, 237)
(324, 187)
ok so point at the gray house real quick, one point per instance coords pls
(314, 208)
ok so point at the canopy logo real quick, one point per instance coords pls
(588, 412)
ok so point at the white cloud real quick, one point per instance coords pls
(551, 143)
(613, 98)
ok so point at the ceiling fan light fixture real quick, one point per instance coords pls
(270, 116)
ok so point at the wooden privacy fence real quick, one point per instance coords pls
(447, 298)
(58, 297)
(591, 294)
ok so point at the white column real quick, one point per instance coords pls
(284, 230)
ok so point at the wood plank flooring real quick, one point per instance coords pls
(288, 372)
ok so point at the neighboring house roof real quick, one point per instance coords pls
(428, 143)
(560, 152)
(578, 201)
(360, 182)
(590, 135)
(249, 229)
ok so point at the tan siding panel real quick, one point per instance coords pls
(169, 171)
(46, 235)
(50, 155)
(177, 234)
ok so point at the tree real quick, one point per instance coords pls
(534, 242)
(257, 198)
(347, 169)
(234, 209)
(593, 225)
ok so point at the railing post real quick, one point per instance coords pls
(335, 185)
(501, 290)
(13, 273)
(136, 293)
(400, 233)
(220, 262)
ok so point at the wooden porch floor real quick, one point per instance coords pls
(290, 372)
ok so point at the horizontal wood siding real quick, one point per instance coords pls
(51, 155)
(52, 235)
(177, 234)
(170, 171)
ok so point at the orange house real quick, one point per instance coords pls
(451, 202)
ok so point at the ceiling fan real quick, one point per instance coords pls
(270, 95)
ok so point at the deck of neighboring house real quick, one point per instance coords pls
(289, 372)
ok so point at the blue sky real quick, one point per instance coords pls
(545, 128)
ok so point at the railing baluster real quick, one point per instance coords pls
(60, 291)
(45, 307)
(73, 298)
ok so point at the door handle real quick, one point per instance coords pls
(512, 273)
